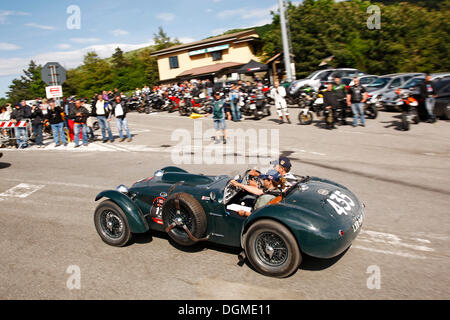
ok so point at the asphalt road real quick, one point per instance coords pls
(47, 204)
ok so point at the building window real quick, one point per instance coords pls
(174, 62)
(216, 55)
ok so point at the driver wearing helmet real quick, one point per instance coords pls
(272, 187)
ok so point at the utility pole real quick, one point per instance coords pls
(285, 37)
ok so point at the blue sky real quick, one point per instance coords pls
(38, 29)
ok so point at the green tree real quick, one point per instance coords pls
(163, 41)
(118, 60)
(28, 86)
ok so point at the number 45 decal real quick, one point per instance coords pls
(341, 203)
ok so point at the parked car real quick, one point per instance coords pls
(442, 107)
(318, 78)
(364, 80)
(388, 83)
(389, 98)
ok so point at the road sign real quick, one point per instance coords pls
(53, 74)
(54, 92)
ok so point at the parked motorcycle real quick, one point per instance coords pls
(262, 108)
(185, 107)
(371, 108)
(409, 107)
(306, 116)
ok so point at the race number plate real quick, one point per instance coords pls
(341, 203)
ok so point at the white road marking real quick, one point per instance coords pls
(65, 184)
(22, 190)
(393, 240)
(391, 244)
(396, 253)
(309, 152)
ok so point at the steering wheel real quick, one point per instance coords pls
(231, 191)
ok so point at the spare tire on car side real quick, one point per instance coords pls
(183, 209)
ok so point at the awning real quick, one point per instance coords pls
(253, 66)
(209, 69)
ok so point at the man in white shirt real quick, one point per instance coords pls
(138, 92)
(279, 95)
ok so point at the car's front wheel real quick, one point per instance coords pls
(272, 249)
(111, 224)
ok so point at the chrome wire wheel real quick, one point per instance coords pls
(112, 224)
(271, 249)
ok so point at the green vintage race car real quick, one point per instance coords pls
(315, 217)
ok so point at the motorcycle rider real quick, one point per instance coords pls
(356, 98)
(279, 95)
(332, 103)
(79, 115)
(21, 112)
(56, 120)
(119, 109)
(341, 94)
(138, 92)
(428, 93)
(37, 121)
(234, 102)
(102, 110)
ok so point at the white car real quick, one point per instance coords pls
(318, 78)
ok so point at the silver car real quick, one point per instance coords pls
(389, 98)
(388, 83)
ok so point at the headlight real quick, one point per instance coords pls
(122, 189)
(159, 173)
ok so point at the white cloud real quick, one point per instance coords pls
(64, 46)
(218, 31)
(68, 59)
(5, 46)
(246, 13)
(4, 14)
(186, 39)
(39, 26)
(84, 40)
(119, 32)
(167, 17)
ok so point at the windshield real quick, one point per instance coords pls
(379, 83)
(312, 75)
(414, 82)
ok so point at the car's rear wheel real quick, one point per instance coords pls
(183, 209)
(272, 249)
(112, 224)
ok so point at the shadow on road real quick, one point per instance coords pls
(309, 263)
(4, 165)
(396, 123)
(201, 246)
(315, 264)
